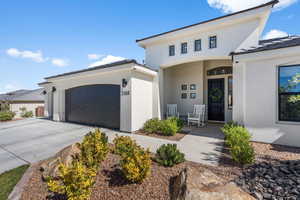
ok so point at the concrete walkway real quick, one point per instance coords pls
(32, 140)
(202, 145)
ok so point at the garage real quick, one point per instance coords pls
(120, 95)
(94, 105)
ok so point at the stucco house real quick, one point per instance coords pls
(29, 99)
(221, 63)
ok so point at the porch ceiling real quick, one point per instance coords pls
(189, 60)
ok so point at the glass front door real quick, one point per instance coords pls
(216, 88)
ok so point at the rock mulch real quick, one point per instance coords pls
(272, 180)
(111, 185)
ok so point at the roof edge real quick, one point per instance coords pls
(122, 62)
(273, 2)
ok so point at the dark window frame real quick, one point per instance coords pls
(230, 103)
(279, 94)
(216, 42)
(182, 48)
(195, 45)
(222, 70)
(193, 97)
(171, 53)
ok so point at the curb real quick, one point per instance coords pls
(19, 188)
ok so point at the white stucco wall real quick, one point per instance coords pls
(135, 108)
(245, 28)
(174, 77)
(255, 91)
(141, 99)
(15, 107)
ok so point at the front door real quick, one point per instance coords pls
(216, 99)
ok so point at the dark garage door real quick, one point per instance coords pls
(94, 105)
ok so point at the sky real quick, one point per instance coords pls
(44, 38)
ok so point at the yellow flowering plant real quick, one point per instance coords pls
(136, 166)
(74, 181)
(94, 148)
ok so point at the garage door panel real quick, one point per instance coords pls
(94, 104)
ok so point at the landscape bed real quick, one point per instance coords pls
(110, 183)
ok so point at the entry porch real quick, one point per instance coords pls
(207, 82)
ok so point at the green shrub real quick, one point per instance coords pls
(124, 145)
(152, 125)
(75, 181)
(168, 127)
(236, 135)
(168, 155)
(4, 106)
(137, 165)
(94, 148)
(6, 115)
(179, 122)
(27, 114)
(237, 138)
(243, 153)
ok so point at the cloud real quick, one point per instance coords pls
(35, 56)
(94, 56)
(59, 62)
(229, 6)
(9, 87)
(274, 33)
(107, 59)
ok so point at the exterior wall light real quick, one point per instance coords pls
(124, 82)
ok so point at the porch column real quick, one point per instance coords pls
(161, 100)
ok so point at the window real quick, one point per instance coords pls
(212, 42)
(192, 86)
(184, 87)
(183, 95)
(219, 71)
(230, 92)
(197, 45)
(192, 95)
(184, 48)
(171, 50)
(289, 93)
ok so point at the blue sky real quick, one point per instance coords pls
(43, 38)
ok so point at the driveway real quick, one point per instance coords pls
(30, 140)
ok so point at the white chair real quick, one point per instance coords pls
(198, 116)
(172, 110)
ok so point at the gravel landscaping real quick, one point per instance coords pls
(275, 175)
(110, 183)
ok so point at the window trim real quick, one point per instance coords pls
(230, 106)
(172, 45)
(209, 43)
(296, 122)
(181, 48)
(195, 45)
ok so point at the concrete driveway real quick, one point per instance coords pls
(31, 140)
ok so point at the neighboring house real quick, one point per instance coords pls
(29, 99)
(221, 63)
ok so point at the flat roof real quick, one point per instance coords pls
(210, 20)
(114, 64)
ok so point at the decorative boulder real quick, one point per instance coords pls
(195, 184)
(50, 166)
